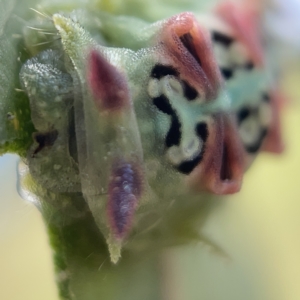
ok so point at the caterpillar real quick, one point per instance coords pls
(176, 108)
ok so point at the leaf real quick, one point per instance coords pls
(15, 123)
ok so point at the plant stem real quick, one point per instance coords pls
(84, 270)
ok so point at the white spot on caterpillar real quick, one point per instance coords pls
(249, 130)
(154, 88)
(191, 149)
(175, 85)
(238, 54)
(174, 155)
(222, 56)
(265, 114)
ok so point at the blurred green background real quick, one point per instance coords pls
(259, 229)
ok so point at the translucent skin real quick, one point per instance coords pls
(125, 188)
(109, 87)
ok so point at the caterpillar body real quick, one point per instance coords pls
(174, 109)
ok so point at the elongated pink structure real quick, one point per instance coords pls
(108, 85)
(190, 47)
(221, 164)
(124, 191)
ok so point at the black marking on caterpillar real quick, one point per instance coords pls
(44, 140)
(188, 42)
(249, 65)
(160, 71)
(225, 172)
(227, 73)
(243, 114)
(189, 92)
(221, 38)
(202, 131)
(162, 103)
(266, 97)
(174, 135)
(188, 166)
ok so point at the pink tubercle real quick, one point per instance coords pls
(108, 85)
(189, 45)
(222, 168)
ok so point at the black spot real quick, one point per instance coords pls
(225, 172)
(227, 73)
(252, 149)
(266, 97)
(222, 38)
(44, 140)
(243, 114)
(202, 131)
(249, 65)
(188, 42)
(189, 92)
(174, 135)
(72, 136)
(160, 71)
(162, 103)
(188, 166)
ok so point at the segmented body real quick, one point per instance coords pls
(184, 109)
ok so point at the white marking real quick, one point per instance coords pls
(250, 130)
(154, 88)
(265, 114)
(222, 56)
(192, 149)
(174, 155)
(238, 54)
(175, 84)
(186, 151)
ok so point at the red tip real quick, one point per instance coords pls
(108, 85)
